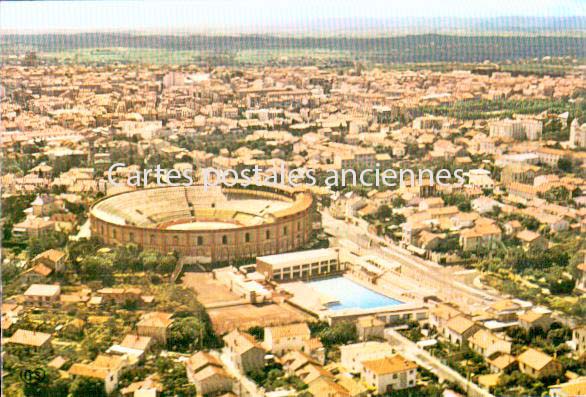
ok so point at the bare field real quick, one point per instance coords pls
(208, 290)
(245, 316)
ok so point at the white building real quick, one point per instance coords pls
(516, 129)
(389, 373)
(283, 338)
(353, 355)
(577, 134)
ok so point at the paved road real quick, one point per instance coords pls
(414, 353)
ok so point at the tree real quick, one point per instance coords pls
(80, 248)
(36, 245)
(565, 165)
(398, 202)
(174, 379)
(84, 387)
(97, 268)
(257, 332)
(339, 334)
(128, 257)
(530, 223)
(185, 335)
(52, 385)
(384, 212)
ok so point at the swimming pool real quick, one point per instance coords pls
(351, 295)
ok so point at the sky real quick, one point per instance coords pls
(259, 15)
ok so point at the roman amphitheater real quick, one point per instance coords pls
(216, 224)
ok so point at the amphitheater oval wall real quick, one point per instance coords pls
(281, 230)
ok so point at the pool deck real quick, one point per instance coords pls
(311, 300)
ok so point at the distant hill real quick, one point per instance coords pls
(376, 48)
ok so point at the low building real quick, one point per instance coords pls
(535, 318)
(441, 314)
(33, 227)
(579, 339)
(119, 295)
(370, 327)
(283, 338)
(246, 353)
(575, 387)
(106, 368)
(459, 329)
(32, 339)
(581, 284)
(44, 205)
(504, 310)
(532, 240)
(353, 355)
(52, 258)
(537, 364)
(328, 388)
(486, 343)
(42, 294)
(150, 387)
(155, 325)
(389, 373)
(484, 236)
(300, 265)
(501, 362)
(208, 375)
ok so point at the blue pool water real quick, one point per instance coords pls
(351, 295)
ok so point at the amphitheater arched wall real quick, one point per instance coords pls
(285, 231)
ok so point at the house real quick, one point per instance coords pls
(57, 363)
(484, 204)
(579, 339)
(315, 348)
(312, 372)
(150, 387)
(531, 240)
(537, 364)
(489, 380)
(51, 258)
(33, 227)
(137, 342)
(155, 325)
(246, 353)
(10, 313)
(352, 355)
(32, 339)
(327, 387)
(535, 318)
(504, 310)
(575, 387)
(389, 373)
(459, 329)
(134, 346)
(440, 315)
(581, 284)
(42, 294)
(119, 295)
(370, 327)
(485, 235)
(501, 362)
(44, 205)
(295, 360)
(208, 375)
(36, 274)
(512, 227)
(486, 343)
(106, 368)
(286, 337)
